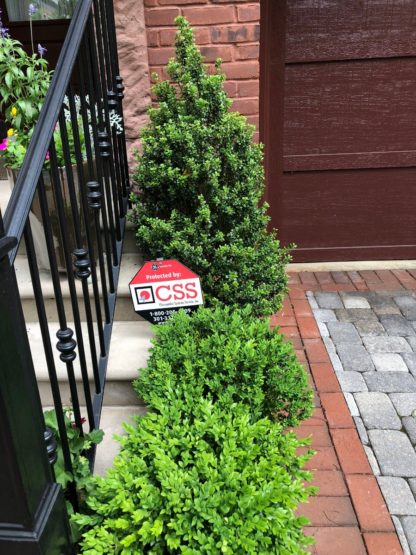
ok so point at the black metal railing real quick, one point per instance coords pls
(69, 204)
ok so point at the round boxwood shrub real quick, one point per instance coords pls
(200, 182)
(228, 356)
(204, 481)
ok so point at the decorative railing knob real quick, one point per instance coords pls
(66, 345)
(120, 87)
(112, 100)
(104, 144)
(94, 195)
(82, 264)
(51, 445)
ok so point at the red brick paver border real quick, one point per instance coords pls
(348, 516)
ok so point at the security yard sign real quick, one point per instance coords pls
(162, 287)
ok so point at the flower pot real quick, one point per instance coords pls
(35, 217)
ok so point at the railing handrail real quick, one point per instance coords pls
(21, 199)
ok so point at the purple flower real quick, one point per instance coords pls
(41, 50)
(32, 9)
(3, 30)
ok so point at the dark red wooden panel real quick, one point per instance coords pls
(347, 114)
(348, 29)
(341, 162)
(350, 214)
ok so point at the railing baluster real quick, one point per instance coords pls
(108, 104)
(66, 344)
(105, 153)
(103, 147)
(87, 62)
(90, 228)
(82, 257)
(118, 88)
(50, 361)
(122, 140)
(117, 183)
(94, 200)
(120, 95)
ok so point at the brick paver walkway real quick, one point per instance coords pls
(349, 515)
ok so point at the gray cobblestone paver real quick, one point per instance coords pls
(394, 453)
(402, 536)
(378, 301)
(390, 382)
(412, 342)
(398, 495)
(405, 302)
(409, 423)
(351, 381)
(352, 405)
(330, 347)
(354, 357)
(329, 344)
(404, 403)
(389, 362)
(372, 344)
(361, 429)
(328, 300)
(323, 329)
(409, 527)
(389, 307)
(355, 302)
(369, 327)
(336, 363)
(343, 332)
(355, 314)
(395, 324)
(377, 411)
(410, 360)
(311, 298)
(409, 313)
(389, 344)
(372, 460)
(324, 315)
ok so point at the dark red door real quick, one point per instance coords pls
(339, 123)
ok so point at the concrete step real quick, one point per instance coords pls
(124, 307)
(112, 419)
(129, 348)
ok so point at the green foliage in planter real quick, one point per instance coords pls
(81, 472)
(78, 444)
(229, 356)
(24, 82)
(200, 180)
(204, 481)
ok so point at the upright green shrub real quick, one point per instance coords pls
(204, 481)
(227, 355)
(200, 180)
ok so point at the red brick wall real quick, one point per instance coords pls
(227, 29)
